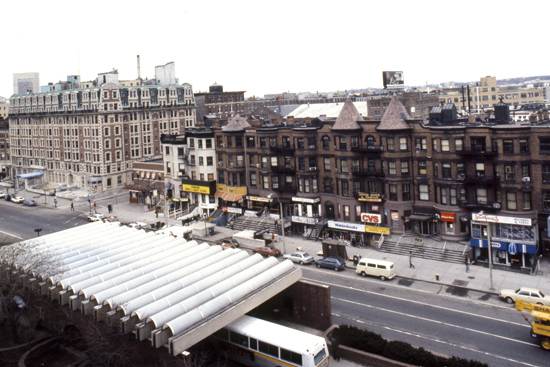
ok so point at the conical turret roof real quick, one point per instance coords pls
(348, 117)
(394, 117)
(236, 123)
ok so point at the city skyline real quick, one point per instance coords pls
(296, 47)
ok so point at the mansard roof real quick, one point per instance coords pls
(348, 117)
(394, 117)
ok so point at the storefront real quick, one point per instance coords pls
(373, 232)
(513, 241)
(307, 212)
(257, 203)
(230, 196)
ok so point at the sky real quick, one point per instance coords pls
(272, 47)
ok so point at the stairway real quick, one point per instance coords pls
(423, 252)
(316, 230)
(217, 213)
(253, 223)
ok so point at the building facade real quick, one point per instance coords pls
(89, 137)
(362, 178)
(219, 103)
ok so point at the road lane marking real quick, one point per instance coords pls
(12, 235)
(423, 303)
(449, 343)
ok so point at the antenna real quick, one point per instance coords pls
(138, 68)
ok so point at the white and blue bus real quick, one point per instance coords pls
(258, 343)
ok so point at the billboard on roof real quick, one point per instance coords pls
(393, 79)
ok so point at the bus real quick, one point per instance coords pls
(258, 343)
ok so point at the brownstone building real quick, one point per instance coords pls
(404, 175)
(219, 103)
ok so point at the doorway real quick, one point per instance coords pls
(329, 207)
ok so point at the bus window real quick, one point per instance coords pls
(222, 334)
(238, 339)
(267, 348)
(289, 356)
(253, 344)
(319, 357)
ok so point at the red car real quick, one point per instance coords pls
(267, 251)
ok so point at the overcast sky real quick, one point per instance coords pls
(277, 46)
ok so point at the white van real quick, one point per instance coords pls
(378, 268)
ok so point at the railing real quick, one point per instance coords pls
(381, 242)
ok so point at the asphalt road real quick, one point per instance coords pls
(18, 222)
(442, 319)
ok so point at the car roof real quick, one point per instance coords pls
(381, 262)
(527, 289)
(300, 252)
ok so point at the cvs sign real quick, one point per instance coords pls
(371, 218)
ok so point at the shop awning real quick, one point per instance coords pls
(219, 194)
(30, 175)
(228, 197)
(420, 217)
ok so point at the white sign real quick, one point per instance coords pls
(371, 218)
(255, 198)
(500, 219)
(306, 200)
(234, 210)
(346, 226)
(304, 220)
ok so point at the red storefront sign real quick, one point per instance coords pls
(447, 217)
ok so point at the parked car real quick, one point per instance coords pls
(112, 220)
(95, 217)
(300, 257)
(137, 225)
(230, 244)
(267, 251)
(529, 295)
(17, 199)
(29, 202)
(378, 268)
(331, 262)
(9, 196)
(2, 194)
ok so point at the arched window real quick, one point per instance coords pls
(370, 141)
(326, 142)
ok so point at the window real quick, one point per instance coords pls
(510, 173)
(270, 349)
(403, 145)
(391, 144)
(314, 185)
(302, 164)
(327, 164)
(545, 173)
(266, 182)
(275, 182)
(394, 218)
(443, 195)
(273, 161)
(201, 161)
(200, 143)
(306, 185)
(356, 187)
(373, 187)
(444, 145)
(300, 184)
(272, 142)
(209, 161)
(423, 192)
(460, 171)
(311, 143)
(480, 170)
(393, 192)
(250, 143)
(253, 179)
(453, 196)
(446, 170)
(481, 196)
(238, 141)
(239, 339)
(406, 192)
(292, 357)
(526, 201)
(229, 142)
(434, 145)
(326, 142)
(508, 146)
(328, 187)
(345, 188)
(525, 171)
(422, 170)
(264, 162)
(300, 143)
(312, 163)
(355, 165)
(459, 145)
(405, 168)
(420, 144)
(344, 165)
(343, 143)
(262, 143)
(286, 142)
(523, 146)
(391, 168)
(511, 203)
(354, 142)
(219, 141)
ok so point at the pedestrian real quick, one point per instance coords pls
(157, 212)
(72, 205)
(110, 208)
(231, 224)
(467, 262)
(95, 207)
(335, 346)
(55, 202)
(275, 223)
(411, 260)
(353, 241)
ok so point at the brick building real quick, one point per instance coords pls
(88, 136)
(409, 176)
(219, 103)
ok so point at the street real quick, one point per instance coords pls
(439, 318)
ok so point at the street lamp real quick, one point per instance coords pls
(482, 214)
(270, 196)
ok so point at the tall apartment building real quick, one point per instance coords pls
(217, 102)
(407, 176)
(487, 94)
(4, 108)
(89, 135)
(5, 162)
(25, 83)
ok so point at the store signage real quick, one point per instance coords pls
(255, 198)
(371, 218)
(394, 216)
(305, 220)
(230, 209)
(232, 190)
(363, 196)
(195, 188)
(501, 219)
(381, 230)
(346, 226)
(447, 217)
(306, 200)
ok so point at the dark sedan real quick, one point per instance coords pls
(267, 251)
(331, 262)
